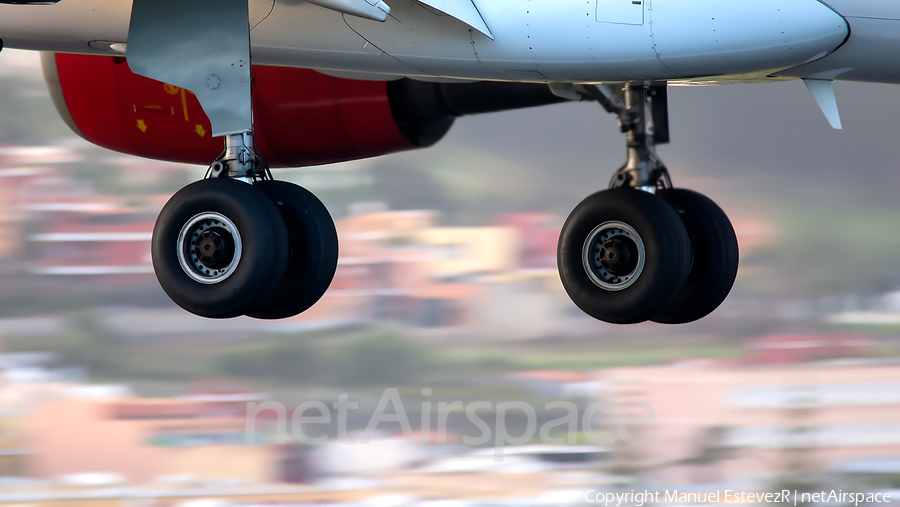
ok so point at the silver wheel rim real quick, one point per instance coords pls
(205, 232)
(593, 250)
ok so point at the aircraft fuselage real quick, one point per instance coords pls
(526, 40)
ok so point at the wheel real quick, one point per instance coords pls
(313, 247)
(219, 246)
(623, 255)
(715, 250)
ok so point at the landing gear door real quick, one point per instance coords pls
(625, 12)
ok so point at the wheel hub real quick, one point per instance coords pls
(618, 256)
(614, 256)
(209, 248)
(214, 248)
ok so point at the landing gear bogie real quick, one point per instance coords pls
(643, 250)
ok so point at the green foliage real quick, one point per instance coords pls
(825, 250)
(369, 357)
(287, 359)
(885, 481)
(380, 359)
(87, 344)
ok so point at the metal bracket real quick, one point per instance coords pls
(240, 161)
(642, 111)
(612, 101)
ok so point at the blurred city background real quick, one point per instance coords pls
(109, 394)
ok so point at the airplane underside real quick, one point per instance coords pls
(239, 242)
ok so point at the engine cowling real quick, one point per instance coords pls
(301, 117)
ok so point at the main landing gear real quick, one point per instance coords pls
(237, 242)
(240, 243)
(643, 250)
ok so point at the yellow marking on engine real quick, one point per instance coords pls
(141, 125)
(200, 130)
(170, 89)
(184, 104)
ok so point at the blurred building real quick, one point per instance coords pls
(459, 252)
(379, 269)
(399, 265)
(75, 232)
(91, 238)
(11, 215)
(21, 168)
(792, 349)
(717, 423)
(461, 261)
(144, 439)
(524, 304)
(27, 380)
(538, 237)
(59, 226)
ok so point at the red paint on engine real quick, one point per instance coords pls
(302, 117)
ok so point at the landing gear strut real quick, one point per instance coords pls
(643, 250)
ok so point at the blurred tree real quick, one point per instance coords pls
(290, 359)
(382, 358)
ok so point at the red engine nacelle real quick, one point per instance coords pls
(302, 117)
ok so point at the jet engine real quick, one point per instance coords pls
(301, 117)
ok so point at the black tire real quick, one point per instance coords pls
(313, 247)
(666, 260)
(254, 273)
(716, 255)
